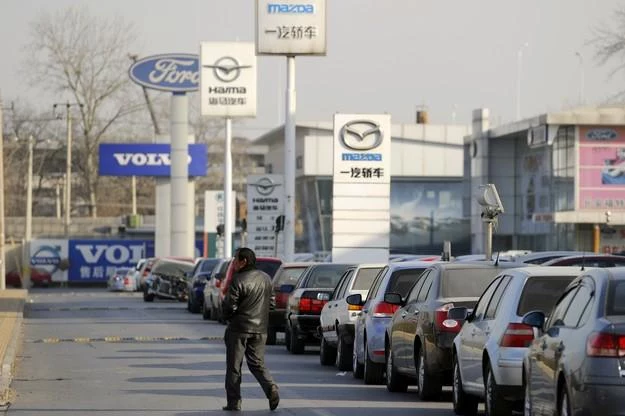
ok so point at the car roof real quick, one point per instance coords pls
(480, 265)
(541, 254)
(369, 265)
(589, 257)
(546, 271)
(410, 264)
(296, 264)
(274, 259)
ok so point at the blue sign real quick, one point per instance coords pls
(174, 72)
(96, 260)
(147, 159)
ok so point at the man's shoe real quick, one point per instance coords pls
(232, 407)
(274, 398)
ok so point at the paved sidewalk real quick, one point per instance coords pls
(11, 316)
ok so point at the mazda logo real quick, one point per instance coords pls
(264, 186)
(227, 69)
(361, 135)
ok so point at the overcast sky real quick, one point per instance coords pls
(383, 55)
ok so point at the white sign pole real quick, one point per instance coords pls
(179, 176)
(289, 162)
(228, 191)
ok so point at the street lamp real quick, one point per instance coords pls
(489, 200)
(581, 77)
(518, 79)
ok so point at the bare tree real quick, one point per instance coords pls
(83, 58)
(609, 43)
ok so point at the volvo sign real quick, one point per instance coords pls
(176, 72)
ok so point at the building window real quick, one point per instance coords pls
(299, 162)
(269, 168)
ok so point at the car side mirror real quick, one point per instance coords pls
(287, 288)
(460, 313)
(393, 298)
(535, 319)
(355, 299)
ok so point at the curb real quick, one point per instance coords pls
(7, 368)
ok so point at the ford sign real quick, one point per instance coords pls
(176, 72)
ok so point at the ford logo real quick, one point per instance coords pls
(177, 72)
(601, 134)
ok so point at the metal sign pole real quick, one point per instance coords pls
(289, 162)
(228, 191)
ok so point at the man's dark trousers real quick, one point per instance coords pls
(252, 346)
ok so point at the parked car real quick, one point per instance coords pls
(38, 277)
(196, 281)
(144, 273)
(305, 302)
(370, 327)
(575, 366)
(167, 279)
(287, 274)
(488, 352)
(594, 260)
(131, 281)
(338, 317)
(419, 338)
(212, 289)
(116, 279)
(539, 257)
(269, 265)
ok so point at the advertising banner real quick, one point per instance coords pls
(291, 27)
(265, 202)
(147, 159)
(361, 188)
(535, 179)
(228, 79)
(601, 179)
(50, 256)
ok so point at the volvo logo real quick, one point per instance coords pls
(227, 69)
(264, 186)
(361, 135)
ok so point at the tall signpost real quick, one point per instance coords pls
(178, 74)
(214, 216)
(290, 28)
(228, 89)
(361, 188)
(265, 204)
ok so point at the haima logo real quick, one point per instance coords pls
(144, 159)
(264, 186)
(290, 8)
(361, 135)
(227, 69)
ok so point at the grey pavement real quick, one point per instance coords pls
(96, 352)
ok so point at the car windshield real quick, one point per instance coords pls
(172, 268)
(616, 298)
(267, 266)
(540, 293)
(365, 277)
(466, 283)
(403, 280)
(207, 266)
(289, 276)
(326, 276)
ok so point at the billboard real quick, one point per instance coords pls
(265, 202)
(51, 256)
(601, 168)
(147, 159)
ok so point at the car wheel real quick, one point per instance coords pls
(271, 336)
(343, 359)
(287, 339)
(148, 297)
(564, 406)
(527, 399)
(327, 353)
(358, 369)
(429, 385)
(395, 382)
(373, 372)
(464, 404)
(206, 312)
(297, 345)
(189, 304)
(195, 307)
(494, 403)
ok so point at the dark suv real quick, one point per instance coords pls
(306, 300)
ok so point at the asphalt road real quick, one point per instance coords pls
(101, 353)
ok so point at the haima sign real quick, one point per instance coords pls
(361, 188)
(291, 27)
(173, 72)
(265, 202)
(228, 79)
(147, 159)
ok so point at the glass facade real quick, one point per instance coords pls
(423, 215)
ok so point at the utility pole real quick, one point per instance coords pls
(2, 230)
(68, 166)
(29, 217)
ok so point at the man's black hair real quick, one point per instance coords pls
(246, 254)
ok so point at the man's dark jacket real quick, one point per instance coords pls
(248, 300)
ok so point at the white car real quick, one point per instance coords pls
(488, 351)
(131, 282)
(338, 319)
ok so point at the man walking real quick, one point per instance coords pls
(246, 308)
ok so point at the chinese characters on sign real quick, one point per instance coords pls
(364, 172)
(265, 202)
(294, 32)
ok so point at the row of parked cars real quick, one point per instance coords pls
(542, 333)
